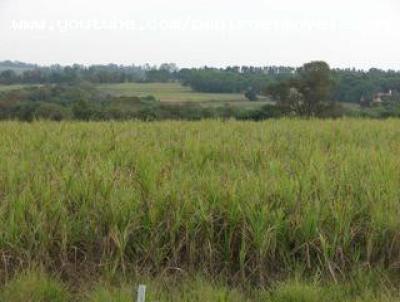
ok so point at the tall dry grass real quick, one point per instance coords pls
(248, 201)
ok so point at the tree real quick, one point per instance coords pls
(315, 84)
(279, 91)
(51, 111)
(82, 110)
(251, 94)
(294, 103)
(8, 77)
(308, 93)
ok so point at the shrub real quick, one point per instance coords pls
(51, 111)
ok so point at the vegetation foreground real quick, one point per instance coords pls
(282, 210)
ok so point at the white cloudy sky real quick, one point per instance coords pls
(360, 33)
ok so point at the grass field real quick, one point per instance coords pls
(249, 203)
(13, 87)
(176, 93)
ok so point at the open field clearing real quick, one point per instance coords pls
(176, 93)
(5, 88)
(249, 203)
(167, 92)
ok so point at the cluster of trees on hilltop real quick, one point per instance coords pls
(232, 79)
(11, 73)
(57, 74)
(16, 66)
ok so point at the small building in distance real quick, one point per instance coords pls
(378, 98)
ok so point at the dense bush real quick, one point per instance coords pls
(51, 111)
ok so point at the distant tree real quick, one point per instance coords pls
(308, 93)
(8, 77)
(51, 111)
(82, 110)
(25, 111)
(158, 75)
(315, 84)
(251, 94)
(279, 91)
(391, 104)
(293, 103)
(170, 67)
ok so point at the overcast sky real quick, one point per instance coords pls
(345, 33)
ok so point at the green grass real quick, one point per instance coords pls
(36, 286)
(175, 93)
(5, 88)
(252, 203)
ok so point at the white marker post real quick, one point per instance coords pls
(141, 293)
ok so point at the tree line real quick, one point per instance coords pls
(351, 85)
(310, 90)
